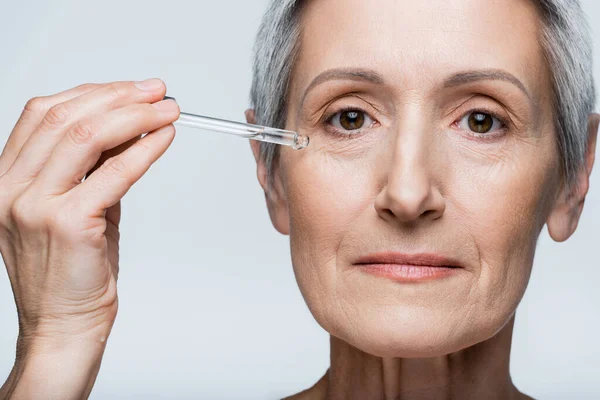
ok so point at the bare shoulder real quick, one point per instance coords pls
(523, 396)
(316, 392)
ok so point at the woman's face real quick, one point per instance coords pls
(431, 132)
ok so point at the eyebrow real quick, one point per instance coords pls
(352, 74)
(466, 77)
(461, 78)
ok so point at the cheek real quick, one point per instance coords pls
(492, 208)
(326, 197)
(503, 206)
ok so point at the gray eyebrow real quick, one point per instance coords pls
(344, 74)
(463, 78)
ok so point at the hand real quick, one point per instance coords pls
(59, 230)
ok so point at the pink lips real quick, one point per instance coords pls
(408, 267)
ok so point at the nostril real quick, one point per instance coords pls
(428, 213)
(385, 213)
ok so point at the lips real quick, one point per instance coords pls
(420, 259)
(410, 268)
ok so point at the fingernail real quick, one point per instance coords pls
(166, 106)
(149, 84)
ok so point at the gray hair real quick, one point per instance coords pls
(565, 40)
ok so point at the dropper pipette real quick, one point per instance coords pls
(248, 131)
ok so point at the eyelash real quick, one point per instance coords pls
(486, 136)
(478, 136)
(358, 132)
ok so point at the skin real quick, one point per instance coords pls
(415, 179)
(412, 181)
(60, 235)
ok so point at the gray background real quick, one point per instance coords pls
(209, 307)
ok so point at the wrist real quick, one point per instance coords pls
(53, 369)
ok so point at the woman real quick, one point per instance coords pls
(444, 136)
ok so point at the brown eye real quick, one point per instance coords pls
(483, 124)
(480, 122)
(351, 120)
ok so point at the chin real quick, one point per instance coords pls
(406, 344)
(407, 337)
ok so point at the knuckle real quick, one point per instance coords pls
(118, 90)
(81, 133)
(36, 105)
(138, 111)
(24, 213)
(144, 112)
(131, 85)
(18, 209)
(142, 145)
(57, 115)
(88, 86)
(116, 165)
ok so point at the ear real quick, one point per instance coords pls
(275, 194)
(564, 217)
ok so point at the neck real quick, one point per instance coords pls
(480, 371)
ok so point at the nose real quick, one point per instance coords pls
(410, 192)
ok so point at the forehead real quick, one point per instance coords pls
(413, 41)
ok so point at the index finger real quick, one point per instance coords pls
(30, 118)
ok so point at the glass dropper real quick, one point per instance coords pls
(248, 131)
